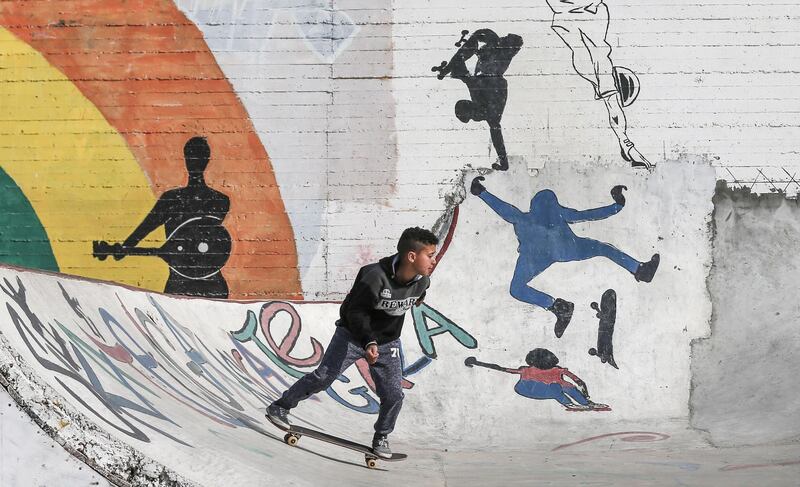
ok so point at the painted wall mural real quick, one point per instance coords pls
(135, 360)
(545, 238)
(583, 26)
(112, 94)
(327, 30)
(197, 244)
(607, 313)
(488, 89)
(542, 379)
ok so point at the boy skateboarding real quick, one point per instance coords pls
(370, 321)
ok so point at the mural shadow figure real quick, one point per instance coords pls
(583, 27)
(488, 89)
(197, 245)
(545, 237)
(542, 379)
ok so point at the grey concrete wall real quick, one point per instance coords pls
(747, 373)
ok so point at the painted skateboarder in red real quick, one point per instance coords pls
(542, 379)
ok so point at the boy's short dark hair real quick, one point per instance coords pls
(415, 238)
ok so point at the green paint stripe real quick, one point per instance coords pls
(23, 239)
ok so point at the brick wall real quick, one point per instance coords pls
(362, 138)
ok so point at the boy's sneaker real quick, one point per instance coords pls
(646, 270)
(278, 415)
(380, 446)
(563, 311)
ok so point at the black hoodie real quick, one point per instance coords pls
(374, 309)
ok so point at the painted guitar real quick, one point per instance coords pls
(197, 249)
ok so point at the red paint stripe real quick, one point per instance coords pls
(448, 238)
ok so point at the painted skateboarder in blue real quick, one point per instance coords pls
(545, 237)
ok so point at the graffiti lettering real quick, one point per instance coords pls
(129, 359)
(422, 314)
(247, 333)
(268, 313)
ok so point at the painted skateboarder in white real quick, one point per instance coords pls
(583, 26)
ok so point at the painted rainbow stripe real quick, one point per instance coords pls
(149, 75)
(74, 168)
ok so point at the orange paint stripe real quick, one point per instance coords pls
(127, 57)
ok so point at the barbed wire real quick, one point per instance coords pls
(763, 179)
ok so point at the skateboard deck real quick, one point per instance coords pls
(294, 433)
(607, 313)
(602, 408)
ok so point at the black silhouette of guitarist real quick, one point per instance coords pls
(197, 245)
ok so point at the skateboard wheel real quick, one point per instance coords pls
(291, 439)
(371, 462)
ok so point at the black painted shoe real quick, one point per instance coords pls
(646, 270)
(380, 446)
(632, 155)
(563, 311)
(278, 415)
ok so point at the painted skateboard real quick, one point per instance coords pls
(593, 407)
(294, 433)
(444, 68)
(607, 312)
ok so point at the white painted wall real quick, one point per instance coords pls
(465, 407)
(363, 137)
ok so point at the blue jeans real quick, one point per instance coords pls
(341, 353)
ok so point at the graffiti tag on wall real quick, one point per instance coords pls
(129, 360)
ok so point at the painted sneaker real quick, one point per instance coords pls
(501, 164)
(278, 415)
(632, 155)
(646, 270)
(380, 446)
(563, 311)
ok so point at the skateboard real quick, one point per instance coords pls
(607, 312)
(294, 433)
(601, 407)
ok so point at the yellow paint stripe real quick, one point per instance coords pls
(74, 167)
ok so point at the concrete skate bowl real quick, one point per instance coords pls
(150, 389)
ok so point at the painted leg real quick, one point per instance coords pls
(538, 390)
(576, 395)
(618, 123)
(499, 147)
(582, 60)
(526, 270)
(586, 248)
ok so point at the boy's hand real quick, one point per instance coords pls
(470, 361)
(371, 354)
(476, 187)
(616, 193)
